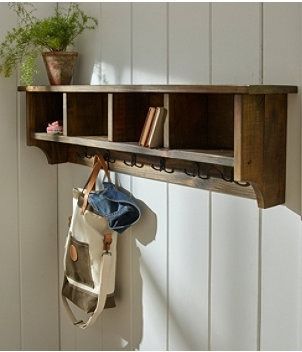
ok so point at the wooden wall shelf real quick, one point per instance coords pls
(225, 138)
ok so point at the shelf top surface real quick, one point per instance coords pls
(210, 89)
(219, 157)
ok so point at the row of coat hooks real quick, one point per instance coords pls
(200, 170)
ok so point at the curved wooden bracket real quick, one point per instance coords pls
(260, 145)
(54, 152)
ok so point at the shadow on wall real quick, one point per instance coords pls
(124, 323)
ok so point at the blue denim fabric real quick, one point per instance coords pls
(120, 210)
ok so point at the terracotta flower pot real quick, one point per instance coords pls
(59, 66)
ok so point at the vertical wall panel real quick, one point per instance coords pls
(281, 277)
(149, 252)
(236, 46)
(149, 43)
(38, 238)
(149, 266)
(9, 251)
(236, 59)
(116, 43)
(189, 43)
(116, 68)
(116, 334)
(234, 273)
(38, 246)
(188, 220)
(188, 268)
(281, 228)
(88, 44)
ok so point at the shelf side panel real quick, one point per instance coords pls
(275, 126)
(260, 145)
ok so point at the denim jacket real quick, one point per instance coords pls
(119, 208)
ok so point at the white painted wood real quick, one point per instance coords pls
(88, 44)
(281, 248)
(236, 43)
(149, 267)
(234, 273)
(235, 237)
(149, 43)
(188, 43)
(10, 332)
(116, 68)
(188, 268)
(188, 209)
(281, 227)
(117, 322)
(116, 43)
(38, 238)
(149, 246)
(38, 245)
(282, 33)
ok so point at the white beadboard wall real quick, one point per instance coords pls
(202, 270)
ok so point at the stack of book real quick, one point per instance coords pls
(153, 130)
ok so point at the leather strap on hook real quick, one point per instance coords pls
(98, 164)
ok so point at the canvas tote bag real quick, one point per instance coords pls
(90, 256)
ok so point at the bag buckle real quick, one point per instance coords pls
(107, 242)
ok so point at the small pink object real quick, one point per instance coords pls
(55, 127)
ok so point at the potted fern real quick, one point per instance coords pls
(51, 37)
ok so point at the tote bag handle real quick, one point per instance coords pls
(98, 164)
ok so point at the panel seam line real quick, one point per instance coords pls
(210, 274)
(18, 135)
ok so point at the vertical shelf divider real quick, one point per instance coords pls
(65, 114)
(167, 122)
(110, 117)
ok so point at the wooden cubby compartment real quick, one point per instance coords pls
(229, 139)
(86, 114)
(42, 109)
(128, 114)
(200, 121)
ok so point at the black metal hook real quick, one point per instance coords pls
(84, 154)
(204, 174)
(194, 173)
(201, 174)
(242, 184)
(108, 158)
(133, 162)
(162, 166)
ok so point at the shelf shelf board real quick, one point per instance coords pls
(218, 157)
(206, 89)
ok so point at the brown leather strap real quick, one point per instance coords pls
(107, 240)
(98, 164)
